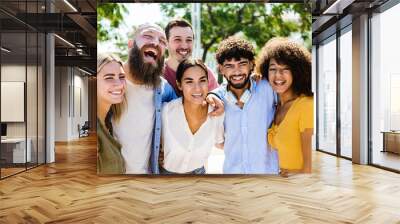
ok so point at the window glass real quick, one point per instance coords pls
(327, 96)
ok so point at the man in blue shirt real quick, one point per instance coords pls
(249, 111)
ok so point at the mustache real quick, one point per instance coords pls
(240, 85)
(144, 48)
(242, 74)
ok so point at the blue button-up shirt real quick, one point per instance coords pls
(246, 149)
(163, 93)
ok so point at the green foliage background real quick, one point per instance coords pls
(258, 22)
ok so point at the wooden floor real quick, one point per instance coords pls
(10, 171)
(387, 159)
(69, 191)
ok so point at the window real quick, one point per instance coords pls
(385, 89)
(22, 75)
(346, 75)
(327, 95)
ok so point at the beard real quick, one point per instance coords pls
(142, 71)
(180, 57)
(239, 85)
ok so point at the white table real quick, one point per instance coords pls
(18, 145)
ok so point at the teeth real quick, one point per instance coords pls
(116, 92)
(237, 78)
(196, 95)
(279, 82)
(151, 50)
(183, 52)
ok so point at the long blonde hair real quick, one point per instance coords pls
(102, 60)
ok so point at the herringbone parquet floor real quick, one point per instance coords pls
(69, 191)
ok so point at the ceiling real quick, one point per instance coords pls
(74, 22)
(327, 12)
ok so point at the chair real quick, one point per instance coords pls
(84, 130)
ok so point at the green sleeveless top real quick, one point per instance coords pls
(109, 157)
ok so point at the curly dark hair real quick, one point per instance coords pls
(236, 48)
(289, 53)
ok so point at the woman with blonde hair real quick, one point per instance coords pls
(287, 67)
(110, 103)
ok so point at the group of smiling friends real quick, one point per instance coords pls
(164, 116)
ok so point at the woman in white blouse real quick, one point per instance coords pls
(188, 133)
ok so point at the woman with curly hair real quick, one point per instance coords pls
(287, 67)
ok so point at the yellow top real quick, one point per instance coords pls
(286, 137)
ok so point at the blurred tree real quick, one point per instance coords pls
(112, 13)
(258, 22)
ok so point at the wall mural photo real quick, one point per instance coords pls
(204, 88)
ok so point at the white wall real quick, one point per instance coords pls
(33, 126)
(71, 94)
(16, 73)
(61, 103)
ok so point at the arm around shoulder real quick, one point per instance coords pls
(212, 82)
(168, 92)
(220, 132)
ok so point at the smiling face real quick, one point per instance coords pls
(194, 85)
(237, 72)
(180, 43)
(152, 43)
(111, 83)
(280, 77)
(146, 56)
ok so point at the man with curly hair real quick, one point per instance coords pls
(249, 111)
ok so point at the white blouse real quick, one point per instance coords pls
(184, 151)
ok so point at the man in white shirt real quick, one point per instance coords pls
(139, 128)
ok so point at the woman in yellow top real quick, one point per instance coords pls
(287, 67)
